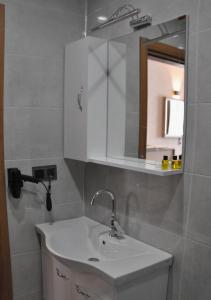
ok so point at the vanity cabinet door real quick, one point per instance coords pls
(89, 286)
(56, 279)
(61, 282)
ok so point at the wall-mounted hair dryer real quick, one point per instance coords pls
(16, 181)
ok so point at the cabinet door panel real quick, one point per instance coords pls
(88, 286)
(56, 279)
(61, 282)
(75, 127)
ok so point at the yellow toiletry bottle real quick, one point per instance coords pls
(165, 162)
(174, 163)
(180, 162)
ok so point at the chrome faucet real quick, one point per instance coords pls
(116, 230)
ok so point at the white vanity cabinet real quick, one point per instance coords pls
(81, 261)
(85, 105)
(62, 283)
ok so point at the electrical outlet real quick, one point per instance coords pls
(45, 172)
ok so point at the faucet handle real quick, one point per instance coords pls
(118, 228)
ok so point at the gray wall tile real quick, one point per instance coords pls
(190, 138)
(33, 133)
(166, 213)
(202, 145)
(64, 211)
(197, 272)
(32, 296)
(204, 15)
(172, 10)
(23, 237)
(26, 273)
(192, 68)
(30, 209)
(199, 225)
(155, 200)
(62, 5)
(143, 209)
(37, 32)
(33, 81)
(69, 184)
(151, 209)
(204, 66)
(29, 199)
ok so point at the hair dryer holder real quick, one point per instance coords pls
(16, 181)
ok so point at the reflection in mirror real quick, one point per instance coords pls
(146, 92)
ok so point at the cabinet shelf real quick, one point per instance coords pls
(143, 167)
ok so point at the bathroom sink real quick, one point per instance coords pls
(110, 248)
(87, 243)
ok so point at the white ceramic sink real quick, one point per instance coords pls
(77, 240)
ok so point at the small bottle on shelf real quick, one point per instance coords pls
(180, 162)
(165, 162)
(174, 163)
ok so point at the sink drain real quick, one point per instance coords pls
(94, 259)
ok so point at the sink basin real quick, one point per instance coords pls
(111, 249)
(84, 242)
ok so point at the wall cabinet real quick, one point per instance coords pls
(85, 106)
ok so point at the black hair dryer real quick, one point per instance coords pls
(16, 181)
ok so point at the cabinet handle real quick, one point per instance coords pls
(81, 292)
(79, 99)
(60, 275)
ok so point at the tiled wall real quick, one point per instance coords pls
(170, 213)
(174, 213)
(36, 32)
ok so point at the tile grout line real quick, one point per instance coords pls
(43, 8)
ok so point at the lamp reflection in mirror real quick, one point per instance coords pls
(174, 118)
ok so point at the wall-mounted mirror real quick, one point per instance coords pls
(147, 92)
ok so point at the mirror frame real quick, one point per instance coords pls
(174, 55)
